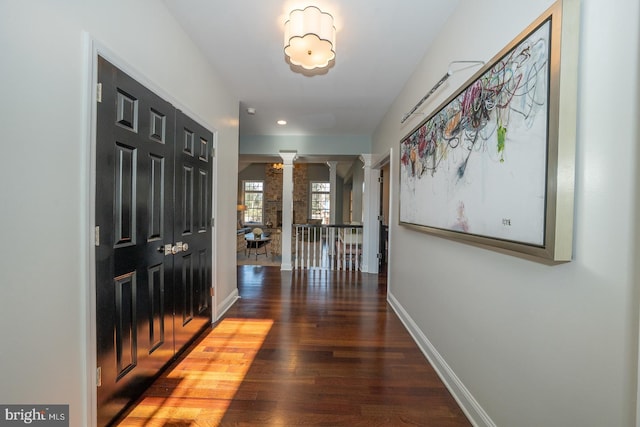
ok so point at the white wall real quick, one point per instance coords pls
(44, 173)
(357, 179)
(305, 145)
(535, 345)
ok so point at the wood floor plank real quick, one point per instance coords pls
(303, 348)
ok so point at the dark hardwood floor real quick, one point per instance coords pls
(312, 348)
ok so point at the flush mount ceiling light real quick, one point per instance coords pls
(310, 38)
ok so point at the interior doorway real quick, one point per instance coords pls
(384, 218)
(153, 236)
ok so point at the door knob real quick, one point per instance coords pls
(181, 247)
(170, 249)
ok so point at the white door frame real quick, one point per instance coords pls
(378, 165)
(92, 48)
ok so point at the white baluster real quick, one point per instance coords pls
(297, 253)
(313, 258)
(358, 247)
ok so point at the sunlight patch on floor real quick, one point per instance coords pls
(213, 370)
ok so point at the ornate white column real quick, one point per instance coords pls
(332, 197)
(370, 225)
(287, 207)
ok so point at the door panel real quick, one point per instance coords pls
(152, 189)
(193, 215)
(157, 315)
(126, 339)
(134, 210)
(125, 191)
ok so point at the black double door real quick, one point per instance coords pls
(153, 236)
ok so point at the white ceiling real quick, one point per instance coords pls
(378, 45)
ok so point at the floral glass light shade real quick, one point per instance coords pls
(310, 38)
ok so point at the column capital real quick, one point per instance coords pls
(288, 157)
(367, 159)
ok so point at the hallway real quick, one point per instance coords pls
(302, 348)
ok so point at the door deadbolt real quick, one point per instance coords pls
(166, 249)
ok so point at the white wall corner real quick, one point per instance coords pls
(469, 405)
(333, 167)
(288, 157)
(370, 209)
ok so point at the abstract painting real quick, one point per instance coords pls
(479, 166)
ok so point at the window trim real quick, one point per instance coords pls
(244, 200)
(311, 193)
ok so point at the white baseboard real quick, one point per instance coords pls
(469, 405)
(227, 303)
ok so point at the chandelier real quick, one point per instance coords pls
(310, 38)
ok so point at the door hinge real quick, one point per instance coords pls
(99, 93)
(99, 376)
(213, 222)
(379, 256)
(212, 291)
(97, 235)
(213, 152)
(380, 179)
(380, 217)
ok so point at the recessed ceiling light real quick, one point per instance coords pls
(282, 122)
